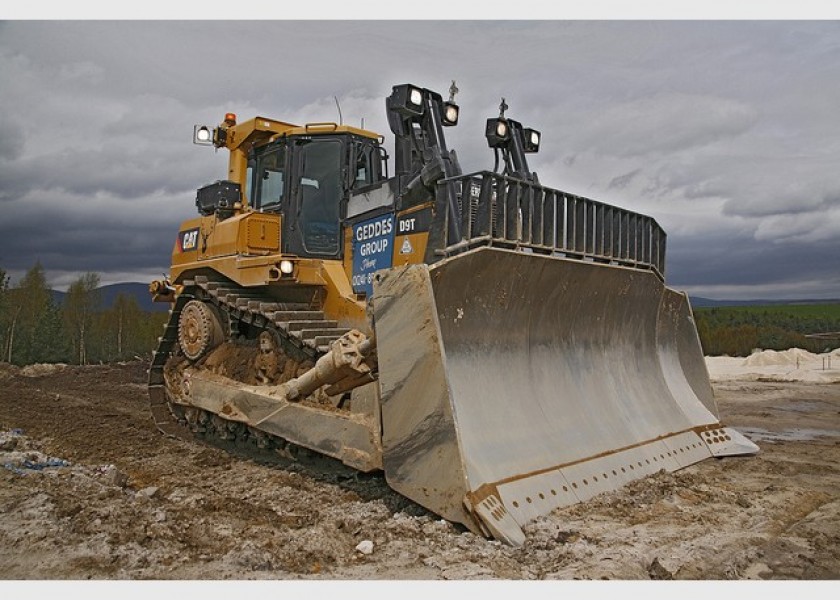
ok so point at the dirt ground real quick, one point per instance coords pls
(91, 490)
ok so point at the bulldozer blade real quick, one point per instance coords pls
(515, 383)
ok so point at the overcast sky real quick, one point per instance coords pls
(726, 132)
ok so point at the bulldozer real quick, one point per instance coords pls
(495, 347)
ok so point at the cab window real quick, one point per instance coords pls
(320, 196)
(270, 179)
(367, 169)
(362, 171)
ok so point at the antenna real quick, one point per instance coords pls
(340, 120)
(363, 123)
(453, 89)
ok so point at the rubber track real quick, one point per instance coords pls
(302, 332)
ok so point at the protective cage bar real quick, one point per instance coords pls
(512, 213)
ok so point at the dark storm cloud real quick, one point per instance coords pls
(95, 248)
(720, 266)
(101, 234)
(725, 132)
(125, 172)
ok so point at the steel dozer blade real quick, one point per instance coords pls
(515, 383)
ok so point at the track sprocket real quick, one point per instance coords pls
(199, 330)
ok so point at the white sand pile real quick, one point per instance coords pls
(764, 358)
(795, 364)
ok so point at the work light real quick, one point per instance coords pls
(450, 114)
(202, 135)
(497, 132)
(408, 100)
(530, 140)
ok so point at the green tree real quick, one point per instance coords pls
(5, 316)
(28, 304)
(80, 305)
(49, 342)
(128, 317)
(119, 329)
(150, 330)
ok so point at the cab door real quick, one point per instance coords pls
(312, 223)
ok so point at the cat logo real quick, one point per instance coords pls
(188, 240)
(406, 247)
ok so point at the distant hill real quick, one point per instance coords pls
(700, 302)
(109, 293)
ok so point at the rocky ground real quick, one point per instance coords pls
(91, 490)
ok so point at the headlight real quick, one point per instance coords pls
(287, 267)
(450, 114)
(497, 132)
(407, 100)
(530, 140)
(202, 135)
(415, 97)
